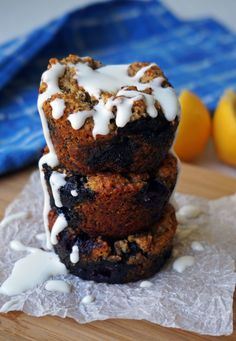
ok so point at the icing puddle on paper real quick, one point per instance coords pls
(31, 270)
(182, 263)
(58, 285)
(88, 299)
(197, 246)
(187, 212)
(146, 284)
(34, 269)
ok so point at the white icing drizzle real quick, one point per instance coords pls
(149, 99)
(78, 118)
(197, 246)
(50, 77)
(124, 106)
(57, 180)
(74, 256)
(58, 107)
(31, 270)
(167, 99)
(52, 161)
(182, 263)
(88, 299)
(106, 78)
(145, 284)
(102, 115)
(58, 285)
(115, 79)
(14, 216)
(74, 193)
(59, 225)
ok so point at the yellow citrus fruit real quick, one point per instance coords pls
(194, 127)
(224, 128)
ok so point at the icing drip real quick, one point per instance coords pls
(57, 180)
(31, 270)
(58, 285)
(59, 225)
(146, 284)
(87, 299)
(197, 246)
(74, 193)
(150, 101)
(78, 119)
(74, 256)
(124, 106)
(58, 107)
(50, 77)
(51, 160)
(182, 263)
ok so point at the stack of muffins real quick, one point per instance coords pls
(107, 171)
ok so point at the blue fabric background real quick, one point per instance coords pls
(198, 55)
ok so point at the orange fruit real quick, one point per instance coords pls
(224, 128)
(194, 127)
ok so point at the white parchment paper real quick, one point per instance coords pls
(199, 299)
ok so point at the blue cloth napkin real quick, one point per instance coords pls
(199, 55)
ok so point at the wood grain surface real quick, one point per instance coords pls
(16, 326)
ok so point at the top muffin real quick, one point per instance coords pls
(119, 118)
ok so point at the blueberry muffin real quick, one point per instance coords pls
(133, 258)
(109, 204)
(114, 118)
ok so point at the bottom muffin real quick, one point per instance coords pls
(136, 257)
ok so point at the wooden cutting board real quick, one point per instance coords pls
(19, 326)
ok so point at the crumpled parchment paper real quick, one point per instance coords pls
(199, 299)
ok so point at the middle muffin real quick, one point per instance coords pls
(111, 205)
